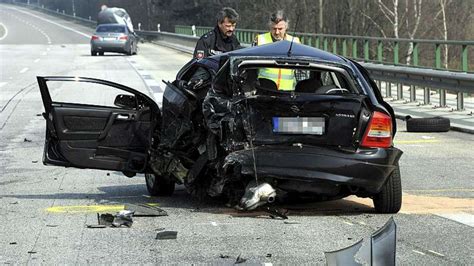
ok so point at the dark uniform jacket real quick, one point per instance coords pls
(214, 42)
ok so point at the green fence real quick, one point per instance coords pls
(416, 52)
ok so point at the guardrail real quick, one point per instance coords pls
(427, 79)
(426, 53)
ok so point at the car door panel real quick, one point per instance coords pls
(99, 137)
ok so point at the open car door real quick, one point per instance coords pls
(92, 123)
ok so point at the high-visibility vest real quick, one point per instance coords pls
(284, 78)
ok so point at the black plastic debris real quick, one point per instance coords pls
(275, 213)
(222, 256)
(35, 161)
(26, 140)
(239, 259)
(105, 219)
(164, 235)
(145, 210)
(51, 225)
(379, 250)
(13, 243)
(269, 255)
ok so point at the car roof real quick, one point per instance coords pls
(280, 49)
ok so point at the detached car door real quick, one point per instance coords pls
(92, 123)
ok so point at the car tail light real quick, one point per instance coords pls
(94, 37)
(123, 38)
(379, 131)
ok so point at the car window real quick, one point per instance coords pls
(84, 93)
(299, 80)
(111, 28)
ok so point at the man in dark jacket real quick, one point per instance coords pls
(221, 39)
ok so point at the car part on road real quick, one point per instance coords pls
(379, 250)
(257, 195)
(428, 124)
(145, 210)
(165, 235)
(123, 217)
(276, 213)
(239, 260)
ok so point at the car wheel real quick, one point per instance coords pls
(130, 51)
(93, 53)
(101, 53)
(158, 185)
(389, 199)
(429, 124)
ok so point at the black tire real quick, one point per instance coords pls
(101, 53)
(130, 51)
(93, 53)
(389, 199)
(430, 124)
(158, 185)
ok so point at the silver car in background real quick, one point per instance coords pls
(113, 38)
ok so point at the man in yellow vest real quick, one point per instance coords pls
(284, 78)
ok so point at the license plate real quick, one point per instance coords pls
(299, 125)
(109, 39)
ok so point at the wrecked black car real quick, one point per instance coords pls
(226, 128)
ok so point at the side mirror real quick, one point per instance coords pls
(126, 101)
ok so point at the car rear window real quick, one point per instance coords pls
(297, 80)
(111, 28)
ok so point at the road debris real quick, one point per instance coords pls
(26, 140)
(379, 249)
(222, 256)
(13, 243)
(291, 222)
(145, 210)
(239, 260)
(164, 235)
(275, 213)
(105, 220)
(123, 218)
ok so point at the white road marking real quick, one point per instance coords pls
(2, 84)
(54, 23)
(419, 252)
(6, 31)
(24, 70)
(462, 217)
(348, 223)
(36, 60)
(436, 253)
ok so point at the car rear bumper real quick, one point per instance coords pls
(102, 46)
(365, 168)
